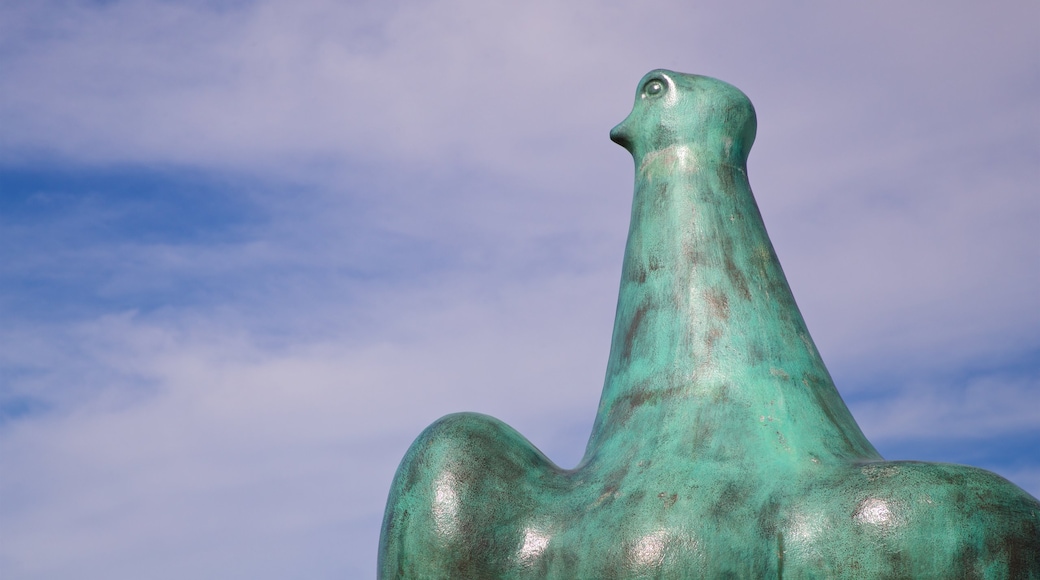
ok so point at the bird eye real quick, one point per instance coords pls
(654, 88)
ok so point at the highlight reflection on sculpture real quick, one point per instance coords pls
(721, 446)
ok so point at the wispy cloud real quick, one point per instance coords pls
(985, 407)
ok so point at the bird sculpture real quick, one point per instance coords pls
(721, 447)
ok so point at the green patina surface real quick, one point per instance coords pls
(721, 448)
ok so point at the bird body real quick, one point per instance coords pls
(721, 447)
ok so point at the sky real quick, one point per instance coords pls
(250, 249)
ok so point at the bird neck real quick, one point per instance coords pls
(709, 351)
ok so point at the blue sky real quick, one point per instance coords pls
(251, 249)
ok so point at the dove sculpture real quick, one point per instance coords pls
(721, 447)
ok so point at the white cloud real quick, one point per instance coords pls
(195, 432)
(985, 407)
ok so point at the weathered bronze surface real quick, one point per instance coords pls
(721, 448)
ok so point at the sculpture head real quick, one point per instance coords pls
(676, 109)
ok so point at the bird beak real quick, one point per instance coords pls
(621, 136)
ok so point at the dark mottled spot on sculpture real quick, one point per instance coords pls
(721, 394)
(660, 196)
(767, 515)
(636, 273)
(710, 338)
(1020, 548)
(725, 174)
(612, 483)
(414, 473)
(633, 329)
(736, 277)
(638, 397)
(964, 566)
(755, 352)
(899, 566)
(695, 256)
(955, 479)
(391, 530)
(633, 270)
(663, 136)
(731, 499)
(699, 438)
(636, 497)
(669, 500)
(719, 303)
